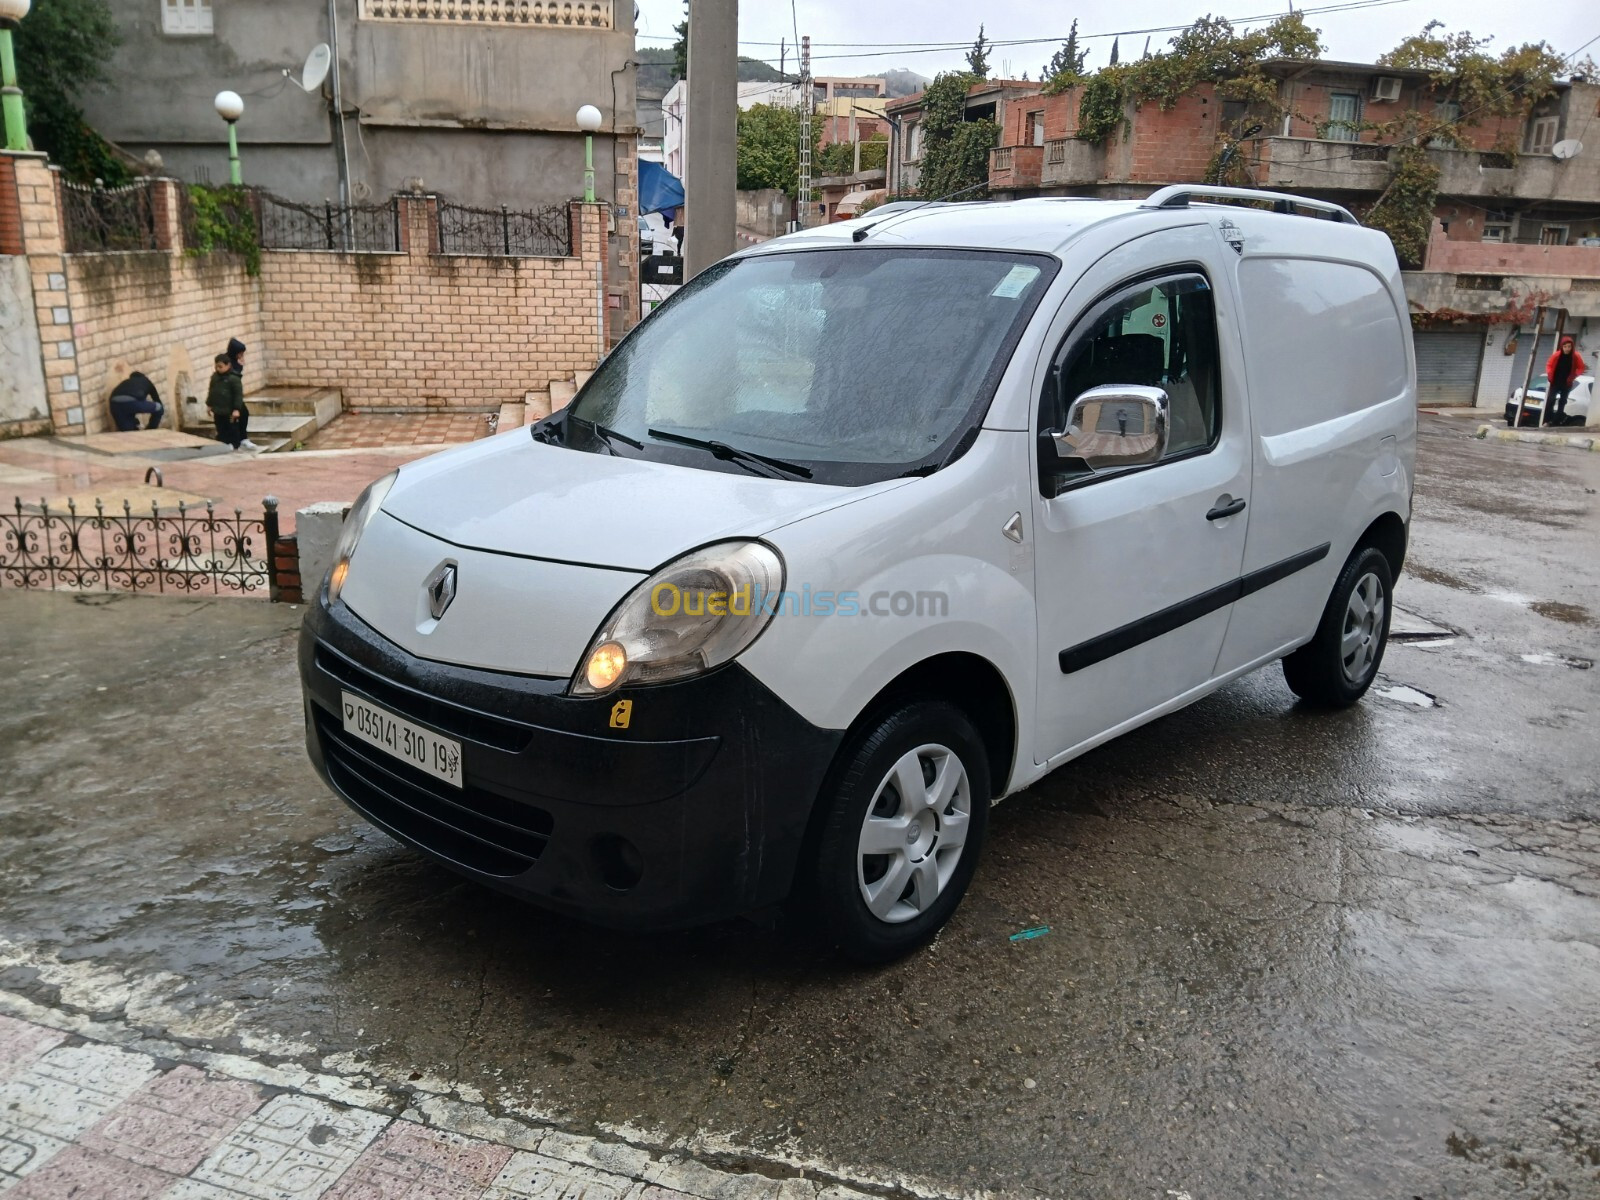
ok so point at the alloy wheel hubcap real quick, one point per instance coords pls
(914, 833)
(1363, 629)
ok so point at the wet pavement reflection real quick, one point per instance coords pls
(1289, 952)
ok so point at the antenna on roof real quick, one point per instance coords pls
(860, 235)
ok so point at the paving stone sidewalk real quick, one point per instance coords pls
(82, 1119)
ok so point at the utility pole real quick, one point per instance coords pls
(713, 133)
(805, 132)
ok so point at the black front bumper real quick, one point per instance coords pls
(696, 811)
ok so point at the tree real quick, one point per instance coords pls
(978, 56)
(1468, 83)
(680, 48)
(955, 151)
(1066, 63)
(769, 148)
(61, 49)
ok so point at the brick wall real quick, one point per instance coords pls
(166, 314)
(414, 329)
(10, 209)
(429, 330)
(1173, 144)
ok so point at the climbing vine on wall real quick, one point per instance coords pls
(1209, 51)
(955, 151)
(223, 218)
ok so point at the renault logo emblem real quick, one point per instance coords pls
(441, 589)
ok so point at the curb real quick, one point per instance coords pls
(1536, 438)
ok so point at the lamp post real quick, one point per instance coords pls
(16, 122)
(588, 121)
(230, 108)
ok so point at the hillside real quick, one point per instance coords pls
(655, 69)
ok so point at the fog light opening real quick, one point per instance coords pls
(618, 861)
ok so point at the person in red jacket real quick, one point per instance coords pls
(1563, 369)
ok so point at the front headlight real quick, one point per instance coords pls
(355, 524)
(695, 613)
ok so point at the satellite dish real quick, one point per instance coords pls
(316, 68)
(1570, 148)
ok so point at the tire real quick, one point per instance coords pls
(1337, 666)
(930, 826)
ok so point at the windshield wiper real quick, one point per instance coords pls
(724, 451)
(610, 436)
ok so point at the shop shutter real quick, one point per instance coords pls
(1448, 361)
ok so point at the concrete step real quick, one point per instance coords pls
(537, 405)
(295, 413)
(561, 392)
(512, 416)
(581, 378)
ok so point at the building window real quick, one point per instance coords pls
(1002, 159)
(539, 14)
(1542, 134)
(1497, 233)
(186, 18)
(1344, 115)
(1057, 153)
(913, 141)
(1036, 128)
(1553, 235)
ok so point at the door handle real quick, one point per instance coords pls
(1225, 506)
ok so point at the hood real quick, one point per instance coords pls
(512, 495)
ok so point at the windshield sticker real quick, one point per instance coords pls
(1016, 282)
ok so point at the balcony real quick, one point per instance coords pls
(540, 14)
(1311, 165)
(1070, 162)
(1487, 278)
(1014, 167)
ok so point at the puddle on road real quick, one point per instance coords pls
(1557, 660)
(1442, 578)
(1408, 695)
(1572, 614)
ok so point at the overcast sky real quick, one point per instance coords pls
(1358, 35)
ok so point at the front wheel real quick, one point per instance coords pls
(1337, 666)
(903, 831)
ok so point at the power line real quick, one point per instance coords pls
(938, 47)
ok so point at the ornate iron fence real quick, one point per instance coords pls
(357, 228)
(100, 218)
(185, 552)
(504, 232)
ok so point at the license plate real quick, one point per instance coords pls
(421, 748)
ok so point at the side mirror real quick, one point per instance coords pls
(1115, 425)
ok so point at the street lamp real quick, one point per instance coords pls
(230, 108)
(16, 122)
(588, 121)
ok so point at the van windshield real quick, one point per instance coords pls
(851, 365)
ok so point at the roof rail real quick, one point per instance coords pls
(1178, 195)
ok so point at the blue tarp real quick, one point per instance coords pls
(659, 189)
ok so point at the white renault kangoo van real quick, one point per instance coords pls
(864, 529)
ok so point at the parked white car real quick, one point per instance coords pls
(1576, 407)
(864, 529)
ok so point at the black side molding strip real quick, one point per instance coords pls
(1136, 633)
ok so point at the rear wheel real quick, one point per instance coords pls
(903, 831)
(1338, 665)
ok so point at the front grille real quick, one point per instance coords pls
(469, 826)
(461, 722)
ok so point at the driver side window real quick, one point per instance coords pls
(1156, 334)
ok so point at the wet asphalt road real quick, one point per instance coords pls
(1290, 953)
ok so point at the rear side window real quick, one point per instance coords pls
(1324, 340)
